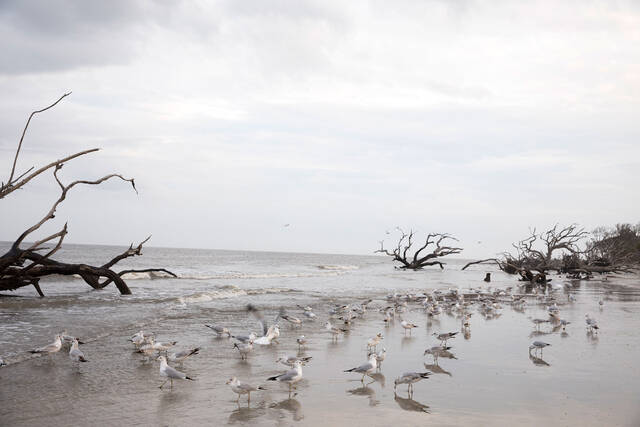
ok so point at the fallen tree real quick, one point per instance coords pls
(25, 264)
(560, 249)
(419, 259)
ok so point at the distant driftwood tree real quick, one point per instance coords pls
(24, 264)
(427, 254)
(558, 248)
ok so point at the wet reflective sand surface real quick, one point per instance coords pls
(489, 377)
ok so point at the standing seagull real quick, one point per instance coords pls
(244, 349)
(409, 378)
(406, 325)
(591, 323)
(54, 347)
(220, 330)
(290, 377)
(75, 354)
(302, 341)
(242, 388)
(538, 345)
(180, 356)
(445, 337)
(366, 369)
(170, 373)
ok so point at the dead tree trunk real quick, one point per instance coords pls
(420, 259)
(21, 267)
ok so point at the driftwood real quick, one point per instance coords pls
(419, 259)
(21, 267)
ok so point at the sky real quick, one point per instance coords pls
(342, 119)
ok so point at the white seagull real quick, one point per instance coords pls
(170, 373)
(366, 369)
(290, 377)
(242, 388)
(75, 354)
(54, 347)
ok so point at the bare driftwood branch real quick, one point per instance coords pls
(15, 274)
(26, 126)
(418, 260)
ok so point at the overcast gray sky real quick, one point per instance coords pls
(343, 119)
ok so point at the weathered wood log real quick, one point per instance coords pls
(21, 267)
(418, 260)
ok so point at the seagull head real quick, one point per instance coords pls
(231, 380)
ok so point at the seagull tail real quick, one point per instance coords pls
(82, 359)
(194, 351)
(350, 370)
(34, 351)
(273, 378)
(189, 378)
(261, 388)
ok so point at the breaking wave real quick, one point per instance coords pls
(229, 291)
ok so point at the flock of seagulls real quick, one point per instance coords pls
(487, 302)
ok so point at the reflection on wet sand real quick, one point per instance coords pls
(379, 378)
(409, 404)
(538, 361)
(436, 369)
(367, 392)
(290, 405)
(244, 414)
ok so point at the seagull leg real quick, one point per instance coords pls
(162, 384)
(171, 382)
(248, 397)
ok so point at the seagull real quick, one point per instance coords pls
(291, 319)
(564, 323)
(380, 356)
(75, 354)
(163, 346)
(538, 345)
(54, 347)
(302, 341)
(220, 330)
(437, 351)
(68, 338)
(373, 342)
(272, 334)
(244, 338)
(139, 339)
(244, 349)
(366, 368)
(408, 326)
(591, 323)
(291, 360)
(180, 356)
(290, 377)
(170, 373)
(538, 322)
(333, 330)
(409, 378)
(444, 337)
(242, 388)
(2, 363)
(309, 314)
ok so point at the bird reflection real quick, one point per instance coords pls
(379, 378)
(367, 392)
(467, 333)
(593, 337)
(539, 333)
(406, 341)
(291, 405)
(538, 361)
(244, 414)
(409, 404)
(437, 369)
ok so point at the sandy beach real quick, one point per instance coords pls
(582, 379)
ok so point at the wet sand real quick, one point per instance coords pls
(583, 379)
